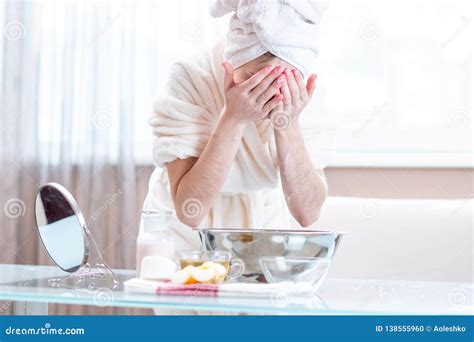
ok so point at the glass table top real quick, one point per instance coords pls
(336, 296)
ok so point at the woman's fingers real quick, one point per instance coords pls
(266, 82)
(273, 103)
(228, 76)
(285, 91)
(301, 85)
(311, 85)
(292, 85)
(255, 80)
(271, 91)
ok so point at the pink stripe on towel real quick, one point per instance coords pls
(188, 290)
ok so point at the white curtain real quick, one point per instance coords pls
(78, 80)
(63, 106)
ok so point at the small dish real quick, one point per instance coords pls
(311, 270)
(233, 267)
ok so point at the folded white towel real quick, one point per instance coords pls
(289, 29)
(138, 285)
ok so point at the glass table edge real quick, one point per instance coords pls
(215, 308)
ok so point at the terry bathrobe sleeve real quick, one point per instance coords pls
(184, 116)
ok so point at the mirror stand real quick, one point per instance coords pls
(91, 275)
(69, 242)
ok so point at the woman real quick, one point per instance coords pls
(229, 147)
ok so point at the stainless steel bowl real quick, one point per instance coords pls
(251, 245)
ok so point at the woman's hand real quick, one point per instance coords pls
(255, 98)
(296, 95)
(303, 185)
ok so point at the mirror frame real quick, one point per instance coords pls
(77, 212)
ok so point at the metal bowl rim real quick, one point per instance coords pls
(269, 258)
(272, 231)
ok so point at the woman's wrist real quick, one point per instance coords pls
(230, 126)
(233, 119)
(287, 139)
(289, 133)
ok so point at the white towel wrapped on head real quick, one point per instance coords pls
(289, 29)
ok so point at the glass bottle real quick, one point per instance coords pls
(155, 238)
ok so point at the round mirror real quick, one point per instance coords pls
(61, 227)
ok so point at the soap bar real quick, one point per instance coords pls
(156, 267)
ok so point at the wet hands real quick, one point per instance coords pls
(255, 98)
(296, 95)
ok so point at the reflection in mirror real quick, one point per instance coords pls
(61, 227)
(66, 238)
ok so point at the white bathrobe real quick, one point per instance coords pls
(183, 121)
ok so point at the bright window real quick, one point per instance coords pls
(394, 86)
